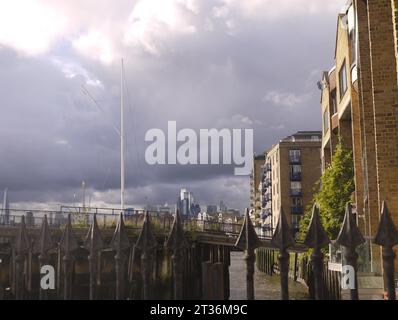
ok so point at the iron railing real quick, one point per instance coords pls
(67, 250)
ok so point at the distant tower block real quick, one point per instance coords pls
(5, 212)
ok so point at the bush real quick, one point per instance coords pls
(336, 188)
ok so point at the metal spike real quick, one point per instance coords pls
(22, 241)
(68, 242)
(44, 243)
(176, 239)
(316, 236)
(146, 240)
(120, 240)
(387, 237)
(349, 235)
(248, 238)
(387, 234)
(282, 238)
(93, 241)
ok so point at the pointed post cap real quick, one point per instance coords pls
(387, 234)
(176, 239)
(44, 243)
(120, 240)
(22, 241)
(248, 238)
(316, 237)
(68, 242)
(282, 238)
(349, 235)
(93, 241)
(146, 240)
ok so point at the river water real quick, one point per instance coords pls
(266, 287)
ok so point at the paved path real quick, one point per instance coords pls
(266, 287)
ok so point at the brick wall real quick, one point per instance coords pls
(385, 100)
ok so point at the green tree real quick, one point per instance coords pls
(336, 188)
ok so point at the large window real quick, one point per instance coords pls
(294, 156)
(295, 185)
(296, 221)
(297, 202)
(343, 80)
(295, 169)
(334, 101)
(325, 121)
(353, 45)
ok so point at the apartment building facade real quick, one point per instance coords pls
(360, 103)
(289, 176)
(255, 195)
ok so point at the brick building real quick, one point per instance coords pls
(290, 173)
(360, 103)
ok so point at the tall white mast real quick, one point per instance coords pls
(121, 141)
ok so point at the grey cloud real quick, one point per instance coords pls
(52, 137)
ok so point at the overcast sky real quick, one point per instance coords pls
(205, 64)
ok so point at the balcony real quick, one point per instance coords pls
(266, 227)
(267, 167)
(264, 215)
(267, 197)
(267, 182)
(296, 192)
(294, 160)
(296, 210)
(295, 176)
(335, 121)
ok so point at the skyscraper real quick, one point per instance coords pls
(5, 212)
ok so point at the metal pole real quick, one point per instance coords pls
(317, 263)
(250, 258)
(388, 265)
(284, 273)
(121, 141)
(351, 256)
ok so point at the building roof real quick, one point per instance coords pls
(303, 135)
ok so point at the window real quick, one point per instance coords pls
(353, 45)
(334, 102)
(295, 169)
(297, 202)
(296, 221)
(325, 121)
(295, 185)
(294, 156)
(343, 80)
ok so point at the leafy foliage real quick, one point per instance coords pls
(337, 186)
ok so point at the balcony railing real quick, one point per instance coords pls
(296, 210)
(296, 192)
(267, 182)
(295, 160)
(295, 176)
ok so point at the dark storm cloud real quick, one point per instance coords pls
(238, 72)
